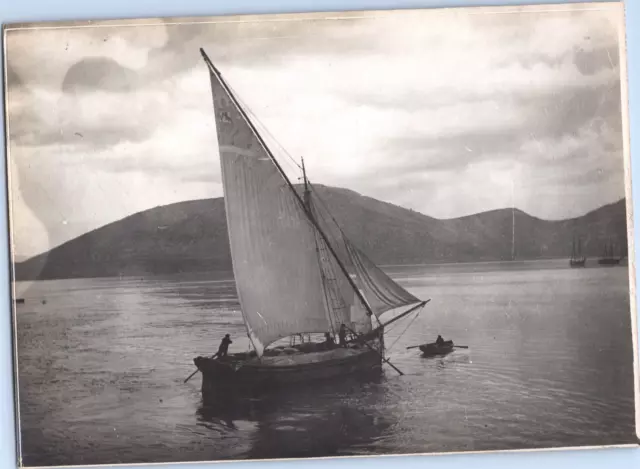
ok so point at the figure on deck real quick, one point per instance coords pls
(439, 340)
(342, 335)
(224, 347)
(328, 341)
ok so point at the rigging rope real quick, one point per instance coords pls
(248, 110)
(264, 128)
(392, 327)
(323, 205)
(345, 239)
(405, 329)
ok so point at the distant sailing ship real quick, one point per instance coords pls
(608, 257)
(577, 259)
(296, 272)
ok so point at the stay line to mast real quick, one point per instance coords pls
(213, 69)
(308, 186)
(345, 240)
(419, 305)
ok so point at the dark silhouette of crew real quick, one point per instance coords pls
(439, 340)
(224, 347)
(342, 335)
(328, 341)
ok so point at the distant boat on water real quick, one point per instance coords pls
(577, 259)
(608, 257)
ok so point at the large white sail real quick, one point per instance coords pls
(339, 292)
(360, 319)
(272, 242)
(380, 291)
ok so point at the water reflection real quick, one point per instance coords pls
(441, 362)
(331, 419)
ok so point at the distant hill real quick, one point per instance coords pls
(192, 236)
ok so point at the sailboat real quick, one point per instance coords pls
(577, 259)
(608, 258)
(296, 272)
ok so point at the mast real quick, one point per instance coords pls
(513, 233)
(613, 249)
(307, 192)
(285, 177)
(332, 296)
(580, 248)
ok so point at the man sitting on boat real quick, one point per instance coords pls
(439, 340)
(224, 347)
(342, 335)
(329, 343)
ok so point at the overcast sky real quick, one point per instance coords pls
(448, 113)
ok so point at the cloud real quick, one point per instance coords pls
(88, 119)
(449, 112)
(99, 74)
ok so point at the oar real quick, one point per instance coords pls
(386, 360)
(455, 346)
(191, 376)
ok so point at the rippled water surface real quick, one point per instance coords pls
(102, 364)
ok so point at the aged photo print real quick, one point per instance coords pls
(317, 235)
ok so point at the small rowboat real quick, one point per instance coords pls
(433, 349)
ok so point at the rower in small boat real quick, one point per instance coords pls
(439, 340)
(224, 347)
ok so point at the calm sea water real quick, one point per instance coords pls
(549, 364)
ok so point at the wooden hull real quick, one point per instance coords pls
(609, 261)
(238, 373)
(432, 350)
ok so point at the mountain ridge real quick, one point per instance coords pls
(191, 236)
